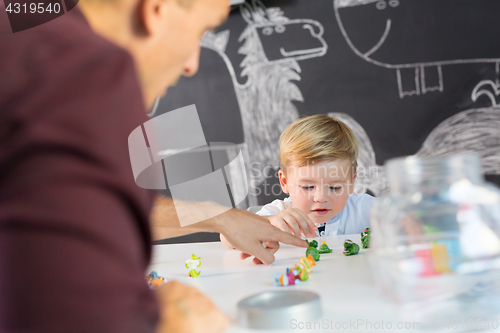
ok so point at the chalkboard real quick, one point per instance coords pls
(409, 76)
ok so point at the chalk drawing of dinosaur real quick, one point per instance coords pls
(265, 99)
(437, 38)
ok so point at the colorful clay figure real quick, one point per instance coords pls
(303, 274)
(365, 238)
(324, 248)
(350, 248)
(294, 275)
(193, 263)
(288, 279)
(154, 280)
(308, 263)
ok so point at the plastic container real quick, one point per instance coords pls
(436, 240)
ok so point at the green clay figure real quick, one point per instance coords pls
(312, 243)
(324, 248)
(365, 238)
(313, 252)
(350, 248)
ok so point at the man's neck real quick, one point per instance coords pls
(108, 19)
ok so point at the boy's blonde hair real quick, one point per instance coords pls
(317, 138)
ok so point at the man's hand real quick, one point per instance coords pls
(184, 309)
(248, 232)
(272, 247)
(243, 230)
(294, 221)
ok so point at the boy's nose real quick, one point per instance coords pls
(319, 196)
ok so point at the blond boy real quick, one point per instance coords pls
(318, 156)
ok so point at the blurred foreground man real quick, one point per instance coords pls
(75, 237)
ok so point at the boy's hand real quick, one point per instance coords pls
(294, 221)
(184, 309)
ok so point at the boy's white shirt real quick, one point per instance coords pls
(353, 219)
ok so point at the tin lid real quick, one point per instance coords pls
(276, 309)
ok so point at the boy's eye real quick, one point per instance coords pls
(307, 187)
(335, 188)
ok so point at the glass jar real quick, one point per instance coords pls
(436, 239)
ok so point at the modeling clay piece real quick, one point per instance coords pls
(154, 281)
(365, 238)
(312, 243)
(307, 263)
(303, 274)
(294, 275)
(350, 248)
(290, 278)
(312, 251)
(324, 248)
(193, 263)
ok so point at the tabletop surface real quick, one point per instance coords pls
(350, 299)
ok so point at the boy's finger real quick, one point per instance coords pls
(308, 220)
(311, 227)
(284, 226)
(303, 222)
(279, 223)
(293, 225)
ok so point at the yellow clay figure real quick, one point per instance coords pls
(193, 263)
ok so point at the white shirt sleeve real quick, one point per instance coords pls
(275, 207)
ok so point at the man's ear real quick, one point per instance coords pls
(283, 183)
(352, 183)
(152, 14)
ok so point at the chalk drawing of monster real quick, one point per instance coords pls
(473, 130)
(476, 130)
(265, 99)
(444, 32)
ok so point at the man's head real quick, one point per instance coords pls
(163, 36)
(318, 156)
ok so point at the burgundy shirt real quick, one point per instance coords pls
(74, 235)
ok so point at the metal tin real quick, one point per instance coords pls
(276, 309)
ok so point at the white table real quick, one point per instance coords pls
(349, 296)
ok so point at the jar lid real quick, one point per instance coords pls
(276, 309)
